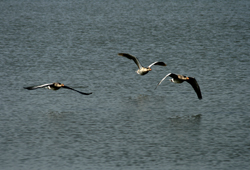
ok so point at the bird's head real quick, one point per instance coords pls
(58, 84)
(149, 69)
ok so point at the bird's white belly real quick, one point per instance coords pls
(142, 71)
(48, 87)
(51, 88)
(177, 81)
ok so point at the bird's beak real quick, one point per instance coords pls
(150, 69)
(62, 84)
(187, 78)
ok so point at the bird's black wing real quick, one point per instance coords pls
(75, 90)
(137, 62)
(195, 86)
(36, 87)
(175, 76)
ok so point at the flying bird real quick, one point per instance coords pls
(180, 79)
(142, 70)
(54, 86)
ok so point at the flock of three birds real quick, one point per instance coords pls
(142, 71)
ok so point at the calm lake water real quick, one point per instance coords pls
(125, 123)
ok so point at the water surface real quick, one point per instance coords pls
(125, 123)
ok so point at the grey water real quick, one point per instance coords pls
(125, 123)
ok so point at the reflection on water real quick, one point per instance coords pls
(54, 115)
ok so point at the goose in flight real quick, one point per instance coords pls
(142, 70)
(54, 86)
(180, 79)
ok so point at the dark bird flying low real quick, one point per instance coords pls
(180, 79)
(54, 86)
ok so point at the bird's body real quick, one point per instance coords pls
(180, 79)
(54, 86)
(141, 70)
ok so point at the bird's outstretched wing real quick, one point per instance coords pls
(195, 86)
(137, 62)
(157, 63)
(75, 90)
(169, 74)
(36, 87)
